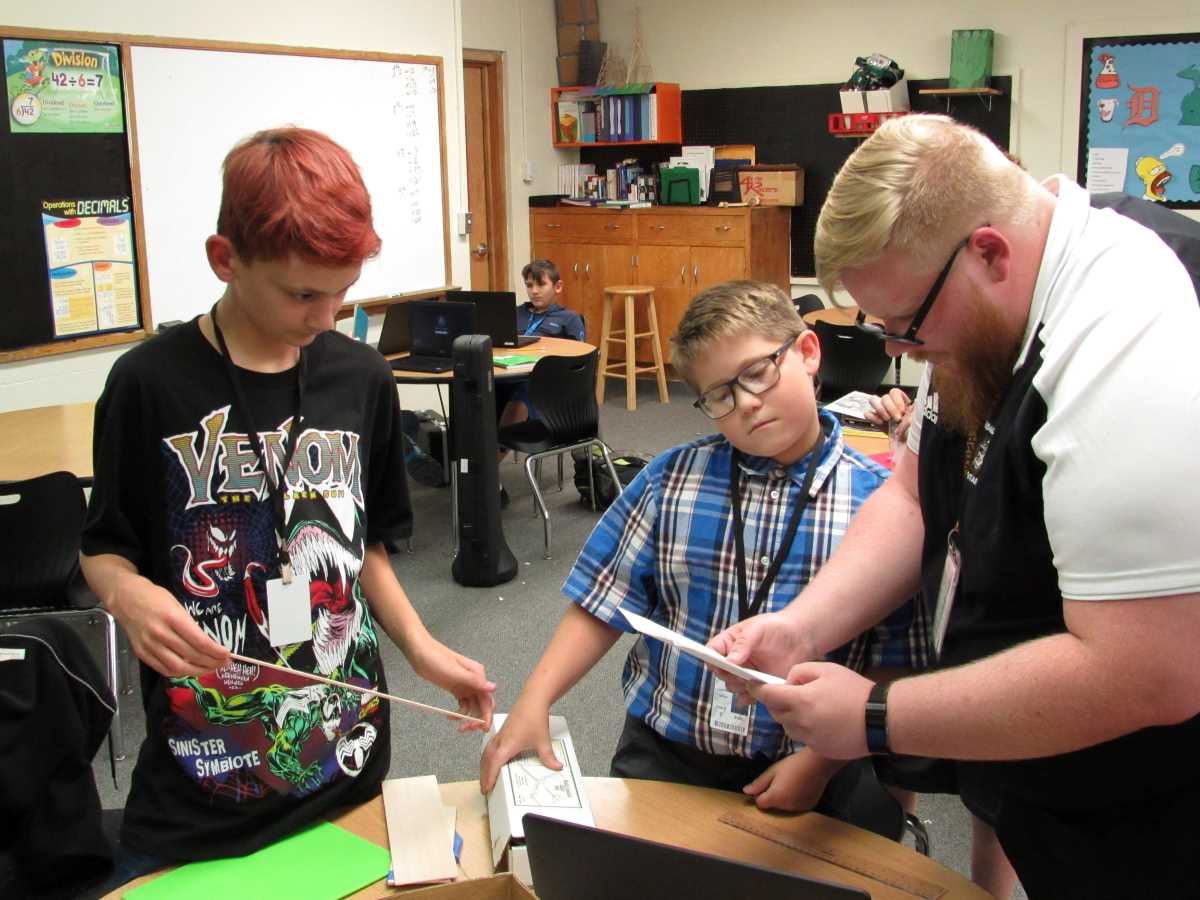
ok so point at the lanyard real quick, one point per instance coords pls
(746, 610)
(532, 327)
(274, 490)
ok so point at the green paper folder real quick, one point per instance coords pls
(514, 359)
(679, 186)
(322, 863)
(971, 57)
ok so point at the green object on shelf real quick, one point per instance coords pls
(679, 186)
(971, 57)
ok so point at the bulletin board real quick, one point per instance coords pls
(1139, 117)
(180, 106)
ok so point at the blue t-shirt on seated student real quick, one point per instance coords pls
(557, 321)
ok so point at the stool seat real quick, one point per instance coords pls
(627, 336)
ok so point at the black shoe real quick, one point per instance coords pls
(503, 498)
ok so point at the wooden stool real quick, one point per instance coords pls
(627, 336)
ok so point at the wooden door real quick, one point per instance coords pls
(712, 265)
(483, 103)
(667, 269)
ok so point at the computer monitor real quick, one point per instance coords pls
(434, 325)
(394, 336)
(575, 862)
(496, 314)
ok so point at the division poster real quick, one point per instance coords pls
(89, 254)
(63, 88)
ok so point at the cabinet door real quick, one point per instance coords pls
(607, 264)
(571, 260)
(668, 270)
(712, 265)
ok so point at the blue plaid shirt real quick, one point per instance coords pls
(665, 549)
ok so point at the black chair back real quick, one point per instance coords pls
(563, 391)
(41, 520)
(851, 360)
(807, 303)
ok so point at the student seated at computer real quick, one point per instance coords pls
(541, 315)
(710, 532)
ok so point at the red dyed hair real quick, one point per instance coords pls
(292, 190)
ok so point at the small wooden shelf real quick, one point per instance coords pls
(949, 93)
(668, 121)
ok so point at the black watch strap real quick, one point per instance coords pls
(877, 733)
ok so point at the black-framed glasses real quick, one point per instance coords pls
(909, 338)
(754, 378)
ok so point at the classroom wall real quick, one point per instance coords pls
(395, 26)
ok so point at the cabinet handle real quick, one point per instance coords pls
(587, 268)
(683, 274)
(659, 227)
(696, 272)
(611, 227)
(575, 268)
(553, 225)
(635, 260)
(723, 227)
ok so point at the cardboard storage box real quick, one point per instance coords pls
(498, 887)
(893, 99)
(526, 786)
(772, 185)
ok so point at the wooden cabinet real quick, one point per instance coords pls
(678, 251)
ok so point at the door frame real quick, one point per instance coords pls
(495, 162)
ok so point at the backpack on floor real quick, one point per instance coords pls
(627, 467)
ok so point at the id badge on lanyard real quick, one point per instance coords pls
(947, 588)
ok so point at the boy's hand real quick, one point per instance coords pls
(526, 728)
(794, 783)
(461, 676)
(160, 630)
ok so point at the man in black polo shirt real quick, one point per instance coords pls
(1048, 509)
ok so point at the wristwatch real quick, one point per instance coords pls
(877, 733)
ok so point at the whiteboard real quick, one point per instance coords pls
(192, 105)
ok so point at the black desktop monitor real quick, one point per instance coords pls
(575, 862)
(495, 316)
(394, 336)
(434, 325)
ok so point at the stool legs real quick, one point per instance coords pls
(660, 370)
(602, 368)
(630, 355)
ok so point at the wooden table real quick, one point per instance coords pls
(543, 346)
(47, 439)
(700, 819)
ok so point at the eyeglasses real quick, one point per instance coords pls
(756, 378)
(909, 338)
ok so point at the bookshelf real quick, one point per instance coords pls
(633, 115)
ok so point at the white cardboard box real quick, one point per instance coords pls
(893, 99)
(526, 786)
(853, 101)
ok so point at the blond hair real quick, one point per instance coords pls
(731, 309)
(919, 185)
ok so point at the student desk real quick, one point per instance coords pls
(691, 817)
(543, 346)
(47, 439)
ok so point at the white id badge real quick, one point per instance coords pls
(947, 588)
(289, 613)
(727, 714)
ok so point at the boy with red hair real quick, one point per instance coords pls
(248, 471)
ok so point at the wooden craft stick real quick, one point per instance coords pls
(354, 687)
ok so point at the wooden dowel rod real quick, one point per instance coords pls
(354, 687)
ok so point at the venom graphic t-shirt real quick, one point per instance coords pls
(237, 758)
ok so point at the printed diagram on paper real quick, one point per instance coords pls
(535, 785)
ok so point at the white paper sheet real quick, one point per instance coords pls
(690, 647)
(1106, 169)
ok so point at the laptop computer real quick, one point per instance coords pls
(394, 336)
(433, 326)
(496, 316)
(575, 862)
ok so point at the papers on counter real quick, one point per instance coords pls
(690, 647)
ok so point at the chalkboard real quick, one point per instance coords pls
(788, 124)
(153, 169)
(192, 104)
